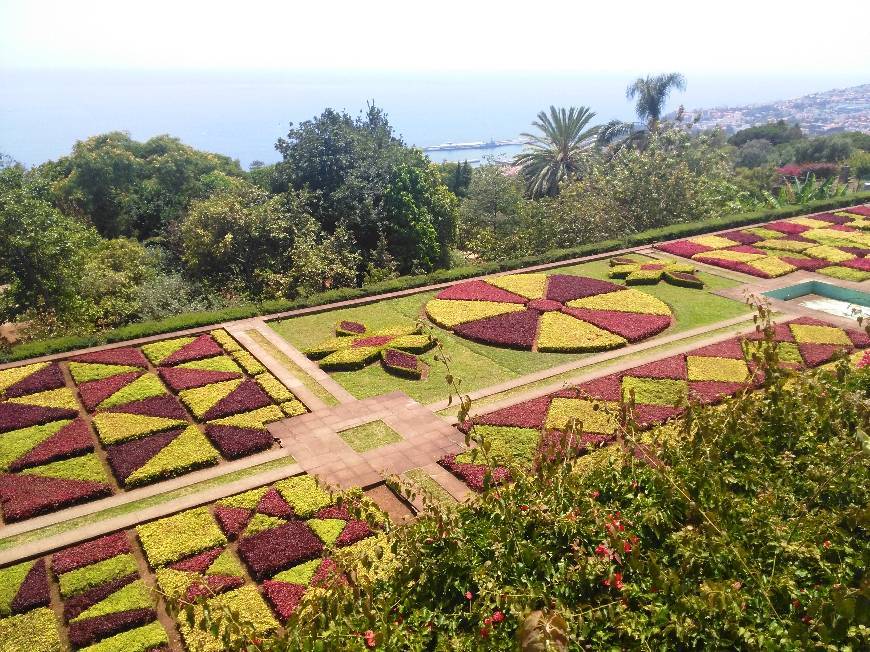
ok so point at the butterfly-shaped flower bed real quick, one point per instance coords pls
(356, 346)
(661, 389)
(130, 401)
(833, 244)
(256, 553)
(558, 313)
(651, 272)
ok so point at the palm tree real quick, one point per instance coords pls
(556, 154)
(651, 94)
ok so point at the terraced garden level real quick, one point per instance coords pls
(91, 425)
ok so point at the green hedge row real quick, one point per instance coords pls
(196, 319)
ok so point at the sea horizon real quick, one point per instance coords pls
(242, 113)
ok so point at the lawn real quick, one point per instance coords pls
(480, 365)
(369, 436)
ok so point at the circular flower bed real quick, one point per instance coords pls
(543, 312)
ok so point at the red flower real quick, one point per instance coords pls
(487, 621)
(497, 616)
(369, 637)
(484, 632)
(595, 494)
(826, 544)
(617, 581)
(524, 508)
(626, 547)
(468, 595)
(602, 551)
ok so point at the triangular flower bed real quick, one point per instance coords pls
(558, 313)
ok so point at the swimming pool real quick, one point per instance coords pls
(825, 297)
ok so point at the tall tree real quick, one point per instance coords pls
(651, 93)
(556, 153)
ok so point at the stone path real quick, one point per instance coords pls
(314, 442)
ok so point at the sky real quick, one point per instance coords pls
(733, 37)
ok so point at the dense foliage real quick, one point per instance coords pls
(120, 231)
(740, 527)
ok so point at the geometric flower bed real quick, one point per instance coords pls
(257, 553)
(355, 346)
(557, 313)
(650, 273)
(104, 603)
(156, 412)
(833, 244)
(661, 389)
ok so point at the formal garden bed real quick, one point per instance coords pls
(833, 244)
(93, 424)
(256, 553)
(557, 313)
(481, 365)
(587, 416)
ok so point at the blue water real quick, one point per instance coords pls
(242, 114)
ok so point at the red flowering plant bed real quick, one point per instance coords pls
(157, 411)
(832, 244)
(578, 419)
(403, 364)
(556, 313)
(355, 346)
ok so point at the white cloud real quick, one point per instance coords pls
(736, 36)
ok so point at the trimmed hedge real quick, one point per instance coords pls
(198, 319)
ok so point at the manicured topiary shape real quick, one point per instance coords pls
(23, 587)
(114, 428)
(653, 271)
(83, 372)
(34, 631)
(58, 440)
(187, 452)
(172, 538)
(89, 552)
(348, 352)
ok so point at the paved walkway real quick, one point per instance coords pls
(314, 442)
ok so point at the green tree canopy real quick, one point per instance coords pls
(776, 133)
(555, 154)
(360, 175)
(42, 252)
(129, 188)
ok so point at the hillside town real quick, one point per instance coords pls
(841, 109)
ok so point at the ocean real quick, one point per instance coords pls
(43, 113)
